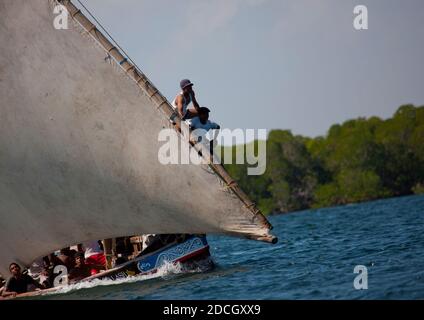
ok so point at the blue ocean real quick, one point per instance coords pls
(315, 258)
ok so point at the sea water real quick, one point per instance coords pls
(315, 258)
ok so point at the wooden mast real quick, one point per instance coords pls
(109, 248)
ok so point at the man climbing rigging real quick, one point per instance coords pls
(201, 125)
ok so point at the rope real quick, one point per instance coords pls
(110, 36)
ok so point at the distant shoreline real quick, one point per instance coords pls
(345, 205)
(359, 160)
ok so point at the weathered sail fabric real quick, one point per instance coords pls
(79, 149)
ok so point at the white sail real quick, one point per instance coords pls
(79, 146)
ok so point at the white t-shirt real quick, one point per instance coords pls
(196, 124)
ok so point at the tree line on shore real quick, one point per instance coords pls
(359, 160)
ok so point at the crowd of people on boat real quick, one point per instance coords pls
(82, 261)
(77, 263)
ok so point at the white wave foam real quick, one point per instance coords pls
(164, 271)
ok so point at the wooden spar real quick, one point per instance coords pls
(163, 104)
(34, 293)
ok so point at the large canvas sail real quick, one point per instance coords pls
(79, 146)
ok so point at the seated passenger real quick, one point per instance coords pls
(200, 126)
(19, 282)
(2, 283)
(47, 277)
(52, 260)
(153, 242)
(65, 258)
(81, 269)
(202, 121)
(94, 256)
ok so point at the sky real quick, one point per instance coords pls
(276, 64)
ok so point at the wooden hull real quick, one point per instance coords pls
(192, 253)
